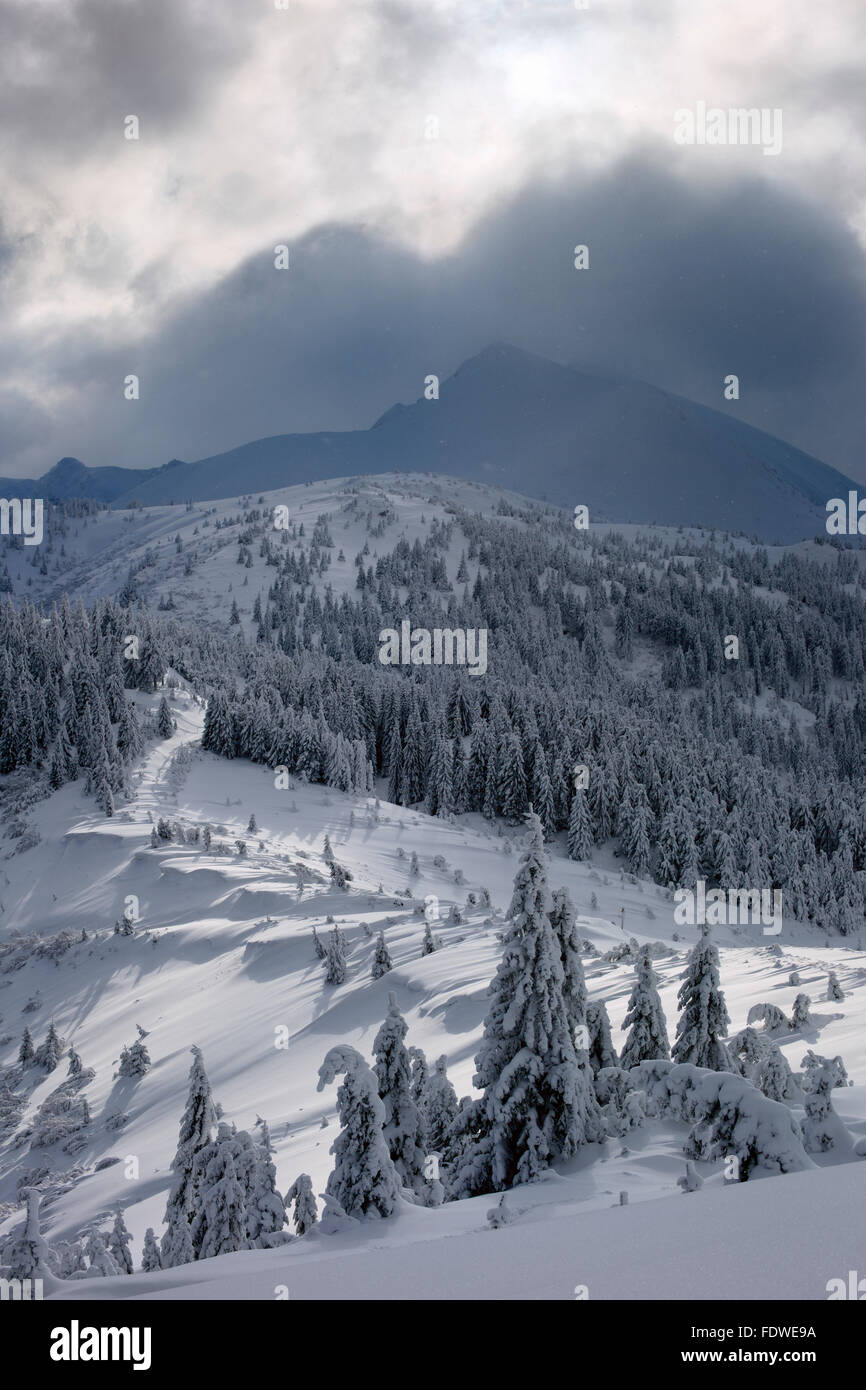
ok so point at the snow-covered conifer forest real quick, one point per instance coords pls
(304, 952)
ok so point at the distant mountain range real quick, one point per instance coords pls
(71, 478)
(629, 451)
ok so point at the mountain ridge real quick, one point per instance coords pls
(630, 451)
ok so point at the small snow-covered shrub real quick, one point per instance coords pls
(499, 1215)
(821, 1126)
(117, 1120)
(761, 1062)
(621, 951)
(60, 1115)
(772, 1017)
(623, 1105)
(29, 839)
(342, 876)
(728, 1116)
(691, 1182)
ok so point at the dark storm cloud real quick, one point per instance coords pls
(70, 73)
(687, 283)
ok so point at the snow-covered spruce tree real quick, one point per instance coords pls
(26, 1051)
(68, 1259)
(199, 1119)
(220, 1223)
(636, 833)
(728, 1117)
(119, 1240)
(101, 1261)
(821, 1125)
(218, 734)
(341, 876)
(574, 996)
(403, 1129)
(704, 1018)
(103, 795)
(134, 1060)
(512, 780)
(300, 1196)
(761, 1062)
(801, 1014)
(770, 1015)
(623, 1104)
(382, 962)
(124, 926)
(602, 1052)
(364, 1180)
(420, 1073)
(564, 924)
(266, 1212)
(319, 949)
(428, 945)
(580, 839)
(335, 960)
(533, 1105)
(645, 1017)
(57, 774)
(76, 1066)
(150, 1256)
(164, 722)
(28, 1254)
(835, 993)
(49, 1052)
(438, 1107)
(129, 742)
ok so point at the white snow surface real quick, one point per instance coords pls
(223, 958)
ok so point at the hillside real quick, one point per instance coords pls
(604, 649)
(223, 956)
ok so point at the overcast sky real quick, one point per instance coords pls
(310, 126)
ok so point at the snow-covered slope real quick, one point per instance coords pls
(223, 957)
(98, 551)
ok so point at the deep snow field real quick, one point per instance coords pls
(223, 958)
